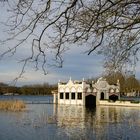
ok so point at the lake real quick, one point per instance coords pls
(69, 122)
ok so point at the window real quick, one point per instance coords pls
(73, 95)
(79, 95)
(61, 95)
(67, 95)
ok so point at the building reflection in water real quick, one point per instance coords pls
(102, 122)
(70, 120)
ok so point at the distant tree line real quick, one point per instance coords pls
(128, 84)
(44, 89)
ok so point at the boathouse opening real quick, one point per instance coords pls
(113, 97)
(102, 96)
(90, 101)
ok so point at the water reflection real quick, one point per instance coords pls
(71, 123)
(101, 122)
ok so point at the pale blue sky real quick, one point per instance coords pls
(77, 64)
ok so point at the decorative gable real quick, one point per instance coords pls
(70, 83)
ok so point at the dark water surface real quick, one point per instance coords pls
(69, 122)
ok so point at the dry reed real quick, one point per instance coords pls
(12, 105)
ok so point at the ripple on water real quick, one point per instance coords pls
(50, 122)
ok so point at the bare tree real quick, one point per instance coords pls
(110, 27)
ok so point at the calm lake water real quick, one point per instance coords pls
(69, 122)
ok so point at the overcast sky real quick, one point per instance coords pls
(77, 64)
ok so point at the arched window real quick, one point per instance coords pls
(102, 96)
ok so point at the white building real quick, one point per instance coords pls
(84, 93)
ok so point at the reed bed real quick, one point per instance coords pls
(12, 105)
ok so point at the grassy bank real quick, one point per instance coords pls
(12, 105)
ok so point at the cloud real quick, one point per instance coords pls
(76, 65)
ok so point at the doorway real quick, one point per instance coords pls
(113, 97)
(102, 96)
(90, 101)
